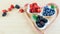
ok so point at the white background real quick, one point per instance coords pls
(16, 23)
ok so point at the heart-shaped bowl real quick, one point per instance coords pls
(50, 18)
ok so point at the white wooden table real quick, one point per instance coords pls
(16, 23)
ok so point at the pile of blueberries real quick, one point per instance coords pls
(48, 11)
(40, 21)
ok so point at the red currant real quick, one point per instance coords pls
(9, 9)
(4, 11)
(21, 10)
(12, 6)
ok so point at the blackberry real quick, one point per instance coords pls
(40, 22)
(44, 20)
(4, 14)
(17, 6)
(39, 17)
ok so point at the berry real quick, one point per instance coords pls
(31, 6)
(40, 24)
(21, 10)
(38, 10)
(32, 11)
(34, 8)
(39, 17)
(17, 6)
(44, 20)
(12, 6)
(40, 21)
(34, 4)
(4, 14)
(4, 11)
(9, 9)
(48, 11)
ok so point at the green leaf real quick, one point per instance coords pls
(34, 16)
(52, 6)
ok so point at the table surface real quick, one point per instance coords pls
(16, 23)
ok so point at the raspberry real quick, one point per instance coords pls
(34, 8)
(38, 10)
(31, 6)
(32, 11)
(34, 4)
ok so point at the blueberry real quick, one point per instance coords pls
(45, 9)
(52, 11)
(17, 6)
(4, 14)
(48, 11)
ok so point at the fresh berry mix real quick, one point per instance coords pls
(48, 11)
(34, 8)
(40, 22)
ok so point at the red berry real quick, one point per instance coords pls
(12, 6)
(34, 4)
(32, 10)
(9, 9)
(31, 6)
(4, 11)
(38, 10)
(21, 10)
